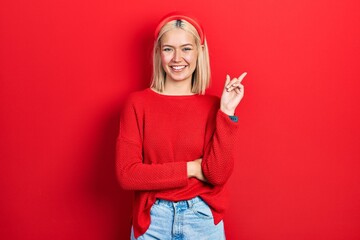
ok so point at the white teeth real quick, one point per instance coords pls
(178, 67)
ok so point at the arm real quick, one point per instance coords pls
(219, 153)
(221, 136)
(132, 173)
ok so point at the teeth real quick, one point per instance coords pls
(178, 67)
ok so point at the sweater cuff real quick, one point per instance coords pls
(234, 118)
(225, 120)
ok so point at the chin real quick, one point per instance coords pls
(178, 79)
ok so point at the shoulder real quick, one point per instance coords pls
(212, 100)
(137, 97)
(207, 103)
(134, 102)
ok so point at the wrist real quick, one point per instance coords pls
(228, 112)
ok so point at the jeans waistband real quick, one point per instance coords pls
(189, 203)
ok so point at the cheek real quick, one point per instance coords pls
(165, 59)
(191, 58)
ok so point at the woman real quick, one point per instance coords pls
(176, 145)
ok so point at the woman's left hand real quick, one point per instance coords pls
(232, 94)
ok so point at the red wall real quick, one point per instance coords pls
(66, 67)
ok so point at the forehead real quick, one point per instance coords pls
(177, 36)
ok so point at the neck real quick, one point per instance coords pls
(178, 87)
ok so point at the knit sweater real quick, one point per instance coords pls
(158, 135)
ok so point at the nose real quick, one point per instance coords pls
(177, 56)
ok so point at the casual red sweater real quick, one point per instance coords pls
(158, 135)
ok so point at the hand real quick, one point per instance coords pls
(194, 170)
(232, 94)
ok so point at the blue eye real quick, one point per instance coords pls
(167, 49)
(187, 49)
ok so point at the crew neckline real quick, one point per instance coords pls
(164, 95)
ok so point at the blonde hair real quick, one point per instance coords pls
(201, 76)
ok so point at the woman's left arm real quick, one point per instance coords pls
(218, 159)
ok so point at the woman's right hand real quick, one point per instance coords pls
(194, 170)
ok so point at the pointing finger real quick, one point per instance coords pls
(242, 76)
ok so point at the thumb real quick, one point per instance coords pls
(227, 79)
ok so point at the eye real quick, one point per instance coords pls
(167, 49)
(187, 49)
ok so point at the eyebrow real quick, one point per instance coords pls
(186, 44)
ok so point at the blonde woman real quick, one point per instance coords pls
(176, 144)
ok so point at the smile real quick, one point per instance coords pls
(177, 68)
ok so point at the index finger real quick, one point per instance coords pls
(242, 76)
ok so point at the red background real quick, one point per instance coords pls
(67, 66)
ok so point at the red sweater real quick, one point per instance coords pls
(158, 135)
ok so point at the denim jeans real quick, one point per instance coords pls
(185, 220)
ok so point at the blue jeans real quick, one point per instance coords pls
(185, 220)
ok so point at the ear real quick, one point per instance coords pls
(201, 48)
(158, 50)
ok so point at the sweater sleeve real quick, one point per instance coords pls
(219, 153)
(132, 172)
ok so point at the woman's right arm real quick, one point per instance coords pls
(132, 173)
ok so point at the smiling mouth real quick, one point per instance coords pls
(177, 68)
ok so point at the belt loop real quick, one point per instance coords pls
(189, 203)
